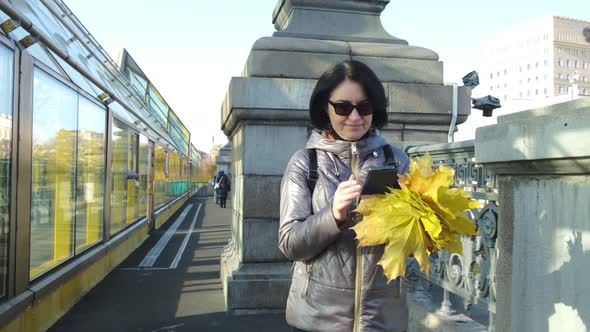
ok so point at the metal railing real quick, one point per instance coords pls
(471, 275)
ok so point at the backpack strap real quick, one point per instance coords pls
(312, 172)
(389, 157)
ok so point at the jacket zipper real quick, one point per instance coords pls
(359, 257)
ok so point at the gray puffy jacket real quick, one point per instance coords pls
(322, 293)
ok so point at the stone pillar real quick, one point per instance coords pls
(223, 160)
(542, 159)
(266, 119)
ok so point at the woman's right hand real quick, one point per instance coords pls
(346, 193)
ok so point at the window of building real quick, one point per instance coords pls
(536, 92)
(157, 105)
(575, 63)
(520, 69)
(559, 62)
(144, 151)
(132, 191)
(498, 74)
(528, 66)
(584, 65)
(568, 77)
(536, 78)
(491, 87)
(119, 175)
(546, 63)
(53, 173)
(125, 171)
(520, 94)
(537, 64)
(6, 97)
(559, 50)
(491, 75)
(528, 93)
(545, 91)
(559, 76)
(584, 92)
(160, 176)
(584, 79)
(90, 173)
(567, 63)
(528, 80)
(505, 71)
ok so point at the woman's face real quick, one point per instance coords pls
(353, 126)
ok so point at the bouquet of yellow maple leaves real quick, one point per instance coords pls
(422, 217)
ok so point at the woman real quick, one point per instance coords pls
(223, 189)
(337, 286)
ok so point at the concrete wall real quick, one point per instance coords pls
(542, 158)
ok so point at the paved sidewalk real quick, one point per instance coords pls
(187, 298)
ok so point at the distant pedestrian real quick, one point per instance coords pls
(215, 186)
(223, 188)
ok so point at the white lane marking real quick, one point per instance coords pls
(143, 268)
(155, 252)
(185, 241)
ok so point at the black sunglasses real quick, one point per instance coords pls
(344, 108)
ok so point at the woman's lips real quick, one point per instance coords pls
(355, 126)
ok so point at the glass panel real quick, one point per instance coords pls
(157, 105)
(143, 174)
(173, 119)
(138, 82)
(121, 113)
(132, 179)
(91, 151)
(53, 172)
(77, 78)
(119, 176)
(178, 141)
(6, 90)
(176, 184)
(159, 175)
(41, 54)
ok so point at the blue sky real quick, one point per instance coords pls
(190, 49)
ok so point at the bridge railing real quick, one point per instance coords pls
(470, 275)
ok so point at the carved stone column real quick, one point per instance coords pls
(266, 119)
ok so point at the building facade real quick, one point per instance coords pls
(538, 63)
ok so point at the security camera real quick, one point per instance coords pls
(487, 104)
(471, 79)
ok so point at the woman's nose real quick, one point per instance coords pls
(354, 114)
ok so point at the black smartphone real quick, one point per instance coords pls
(378, 179)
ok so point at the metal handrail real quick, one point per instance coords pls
(470, 275)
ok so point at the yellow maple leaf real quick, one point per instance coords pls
(422, 217)
(402, 222)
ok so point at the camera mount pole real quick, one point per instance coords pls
(451, 137)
